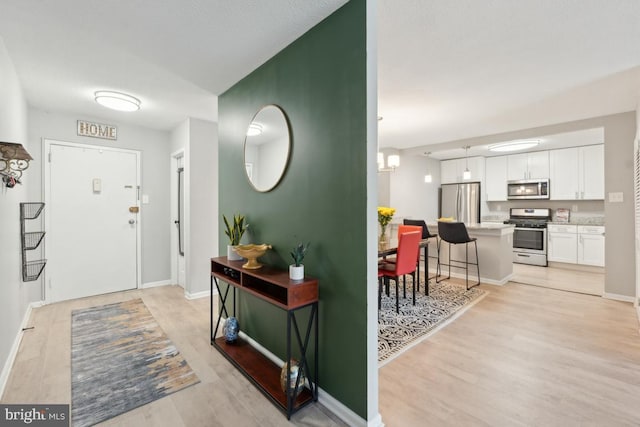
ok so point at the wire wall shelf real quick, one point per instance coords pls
(31, 210)
(31, 270)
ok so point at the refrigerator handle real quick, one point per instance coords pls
(458, 203)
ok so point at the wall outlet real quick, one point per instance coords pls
(574, 208)
(616, 197)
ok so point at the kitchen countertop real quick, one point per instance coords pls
(483, 228)
(597, 220)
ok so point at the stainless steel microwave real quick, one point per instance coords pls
(528, 189)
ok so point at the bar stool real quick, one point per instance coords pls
(425, 235)
(455, 233)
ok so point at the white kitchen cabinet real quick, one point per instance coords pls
(577, 173)
(592, 172)
(496, 178)
(451, 170)
(563, 178)
(528, 166)
(591, 245)
(562, 243)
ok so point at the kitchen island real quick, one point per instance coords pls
(495, 252)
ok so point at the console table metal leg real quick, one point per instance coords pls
(222, 308)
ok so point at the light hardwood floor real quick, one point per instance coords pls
(564, 278)
(42, 372)
(523, 356)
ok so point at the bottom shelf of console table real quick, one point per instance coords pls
(261, 371)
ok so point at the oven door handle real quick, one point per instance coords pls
(523, 255)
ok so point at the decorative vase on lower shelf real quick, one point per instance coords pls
(230, 329)
(295, 371)
(296, 272)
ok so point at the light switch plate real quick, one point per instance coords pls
(145, 199)
(616, 197)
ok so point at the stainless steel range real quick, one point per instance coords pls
(530, 235)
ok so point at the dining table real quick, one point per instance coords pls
(392, 249)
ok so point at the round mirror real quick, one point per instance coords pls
(266, 148)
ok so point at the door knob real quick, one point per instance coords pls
(132, 221)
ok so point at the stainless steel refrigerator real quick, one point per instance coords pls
(460, 201)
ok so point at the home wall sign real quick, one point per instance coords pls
(97, 130)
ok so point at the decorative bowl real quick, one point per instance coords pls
(251, 252)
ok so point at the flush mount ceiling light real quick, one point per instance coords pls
(514, 145)
(254, 129)
(117, 101)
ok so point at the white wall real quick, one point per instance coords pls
(14, 294)
(202, 230)
(155, 148)
(199, 140)
(409, 194)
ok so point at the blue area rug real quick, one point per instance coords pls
(120, 360)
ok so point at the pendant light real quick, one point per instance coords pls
(467, 173)
(427, 177)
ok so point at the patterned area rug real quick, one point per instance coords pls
(120, 360)
(399, 332)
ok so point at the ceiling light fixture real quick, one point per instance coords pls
(514, 145)
(467, 173)
(117, 100)
(393, 161)
(428, 178)
(254, 129)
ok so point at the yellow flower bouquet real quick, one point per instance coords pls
(385, 215)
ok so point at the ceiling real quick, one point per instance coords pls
(447, 70)
(175, 56)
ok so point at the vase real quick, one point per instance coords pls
(383, 240)
(232, 255)
(296, 273)
(230, 330)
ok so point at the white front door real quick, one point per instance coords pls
(92, 237)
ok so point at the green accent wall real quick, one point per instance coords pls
(320, 83)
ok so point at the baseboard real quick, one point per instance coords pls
(156, 284)
(618, 297)
(483, 280)
(327, 400)
(638, 313)
(196, 295)
(6, 369)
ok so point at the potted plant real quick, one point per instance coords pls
(234, 233)
(296, 270)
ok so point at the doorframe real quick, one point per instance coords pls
(174, 200)
(46, 188)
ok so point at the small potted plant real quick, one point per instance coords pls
(296, 270)
(234, 233)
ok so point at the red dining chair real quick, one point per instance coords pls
(408, 247)
(405, 229)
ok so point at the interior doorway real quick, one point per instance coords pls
(179, 223)
(92, 220)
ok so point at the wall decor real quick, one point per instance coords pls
(266, 148)
(97, 130)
